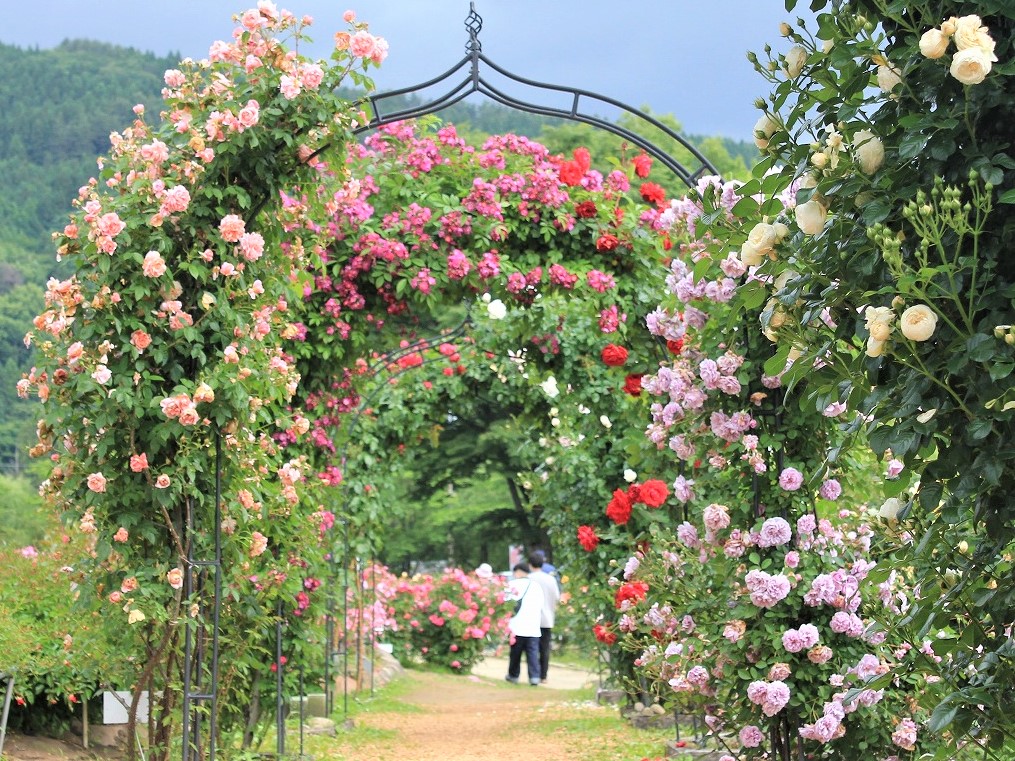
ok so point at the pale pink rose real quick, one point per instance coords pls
(251, 246)
(792, 559)
(774, 532)
(362, 44)
(155, 152)
(97, 482)
(175, 578)
(172, 406)
(289, 86)
(349, 16)
(230, 356)
(791, 479)
(751, 736)
(231, 228)
(249, 115)
(895, 467)
(121, 535)
(830, 490)
(174, 78)
(153, 265)
(227, 269)
(139, 462)
(162, 482)
(175, 200)
(102, 375)
(311, 75)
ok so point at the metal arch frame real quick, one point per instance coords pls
(475, 82)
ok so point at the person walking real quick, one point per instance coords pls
(524, 624)
(551, 597)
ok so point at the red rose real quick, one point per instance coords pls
(653, 493)
(613, 355)
(582, 158)
(667, 243)
(642, 164)
(634, 494)
(635, 591)
(604, 634)
(619, 509)
(570, 173)
(632, 384)
(586, 209)
(652, 193)
(676, 346)
(607, 242)
(587, 538)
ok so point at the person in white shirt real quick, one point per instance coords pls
(551, 597)
(524, 624)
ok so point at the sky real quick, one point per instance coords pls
(680, 57)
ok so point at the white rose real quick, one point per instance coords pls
(496, 309)
(781, 232)
(888, 77)
(549, 387)
(890, 509)
(933, 43)
(630, 476)
(764, 128)
(795, 60)
(810, 217)
(605, 421)
(918, 322)
(970, 66)
(870, 151)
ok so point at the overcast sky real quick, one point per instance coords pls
(685, 57)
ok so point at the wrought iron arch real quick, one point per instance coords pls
(475, 82)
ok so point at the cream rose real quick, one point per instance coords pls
(870, 151)
(918, 322)
(750, 255)
(888, 77)
(968, 32)
(890, 509)
(970, 66)
(496, 309)
(810, 217)
(763, 237)
(933, 43)
(795, 60)
(764, 128)
(875, 348)
(878, 321)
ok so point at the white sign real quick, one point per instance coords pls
(115, 712)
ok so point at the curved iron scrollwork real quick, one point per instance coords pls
(476, 82)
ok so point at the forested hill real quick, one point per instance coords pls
(59, 107)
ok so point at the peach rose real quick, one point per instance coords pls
(175, 578)
(162, 482)
(203, 393)
(189, 415)
(138, 462)
(140, 340)
(153, 265)
(121, 535)
(231, 228)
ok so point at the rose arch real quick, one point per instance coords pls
(234, 280)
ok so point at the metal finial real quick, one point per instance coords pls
(473, 24)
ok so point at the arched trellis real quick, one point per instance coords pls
(475, 82)
(199, 704)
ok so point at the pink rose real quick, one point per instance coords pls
(751, 736)
(189, 415)
(311, 75)
(121, 535)
(138, 462)
(289, 86)
(97, 482)
(774, 532)
(251, 246)
(162, 482)
(362, 44)
(791, 479)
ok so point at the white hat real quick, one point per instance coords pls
(485, 571)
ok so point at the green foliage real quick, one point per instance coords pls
(21, 519)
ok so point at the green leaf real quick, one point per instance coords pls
(1007, 196)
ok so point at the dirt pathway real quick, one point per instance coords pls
(474, 718)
